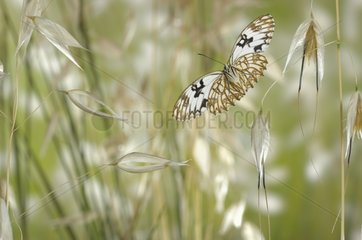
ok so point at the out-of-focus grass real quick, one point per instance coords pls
(142, 54)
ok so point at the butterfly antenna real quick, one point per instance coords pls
(201, 54)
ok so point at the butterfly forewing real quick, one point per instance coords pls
(255, 38)
(218, 91)
(194, 100)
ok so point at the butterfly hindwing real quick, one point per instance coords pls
(224, 93)
(249, 68)
(194, 100)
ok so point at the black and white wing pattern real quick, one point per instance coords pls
(194, 99)
(255, 38)
(218, 91)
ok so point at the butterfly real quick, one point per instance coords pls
(219, 90)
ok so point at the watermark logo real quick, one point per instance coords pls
(157, 119)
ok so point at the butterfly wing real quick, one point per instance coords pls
(255, 38)
(194, 99)
(224, 93)
(216, 91)
(245, 64)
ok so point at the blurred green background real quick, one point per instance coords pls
(140, 56)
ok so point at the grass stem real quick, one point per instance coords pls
(340, 115)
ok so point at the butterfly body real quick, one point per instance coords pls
(230, 73)
(219, 90)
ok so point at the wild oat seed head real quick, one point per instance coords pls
(260, 140)
(309, 38)
(358, 122)
(310, 43)
(137, 162)
(260, 137)
(354, 122)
